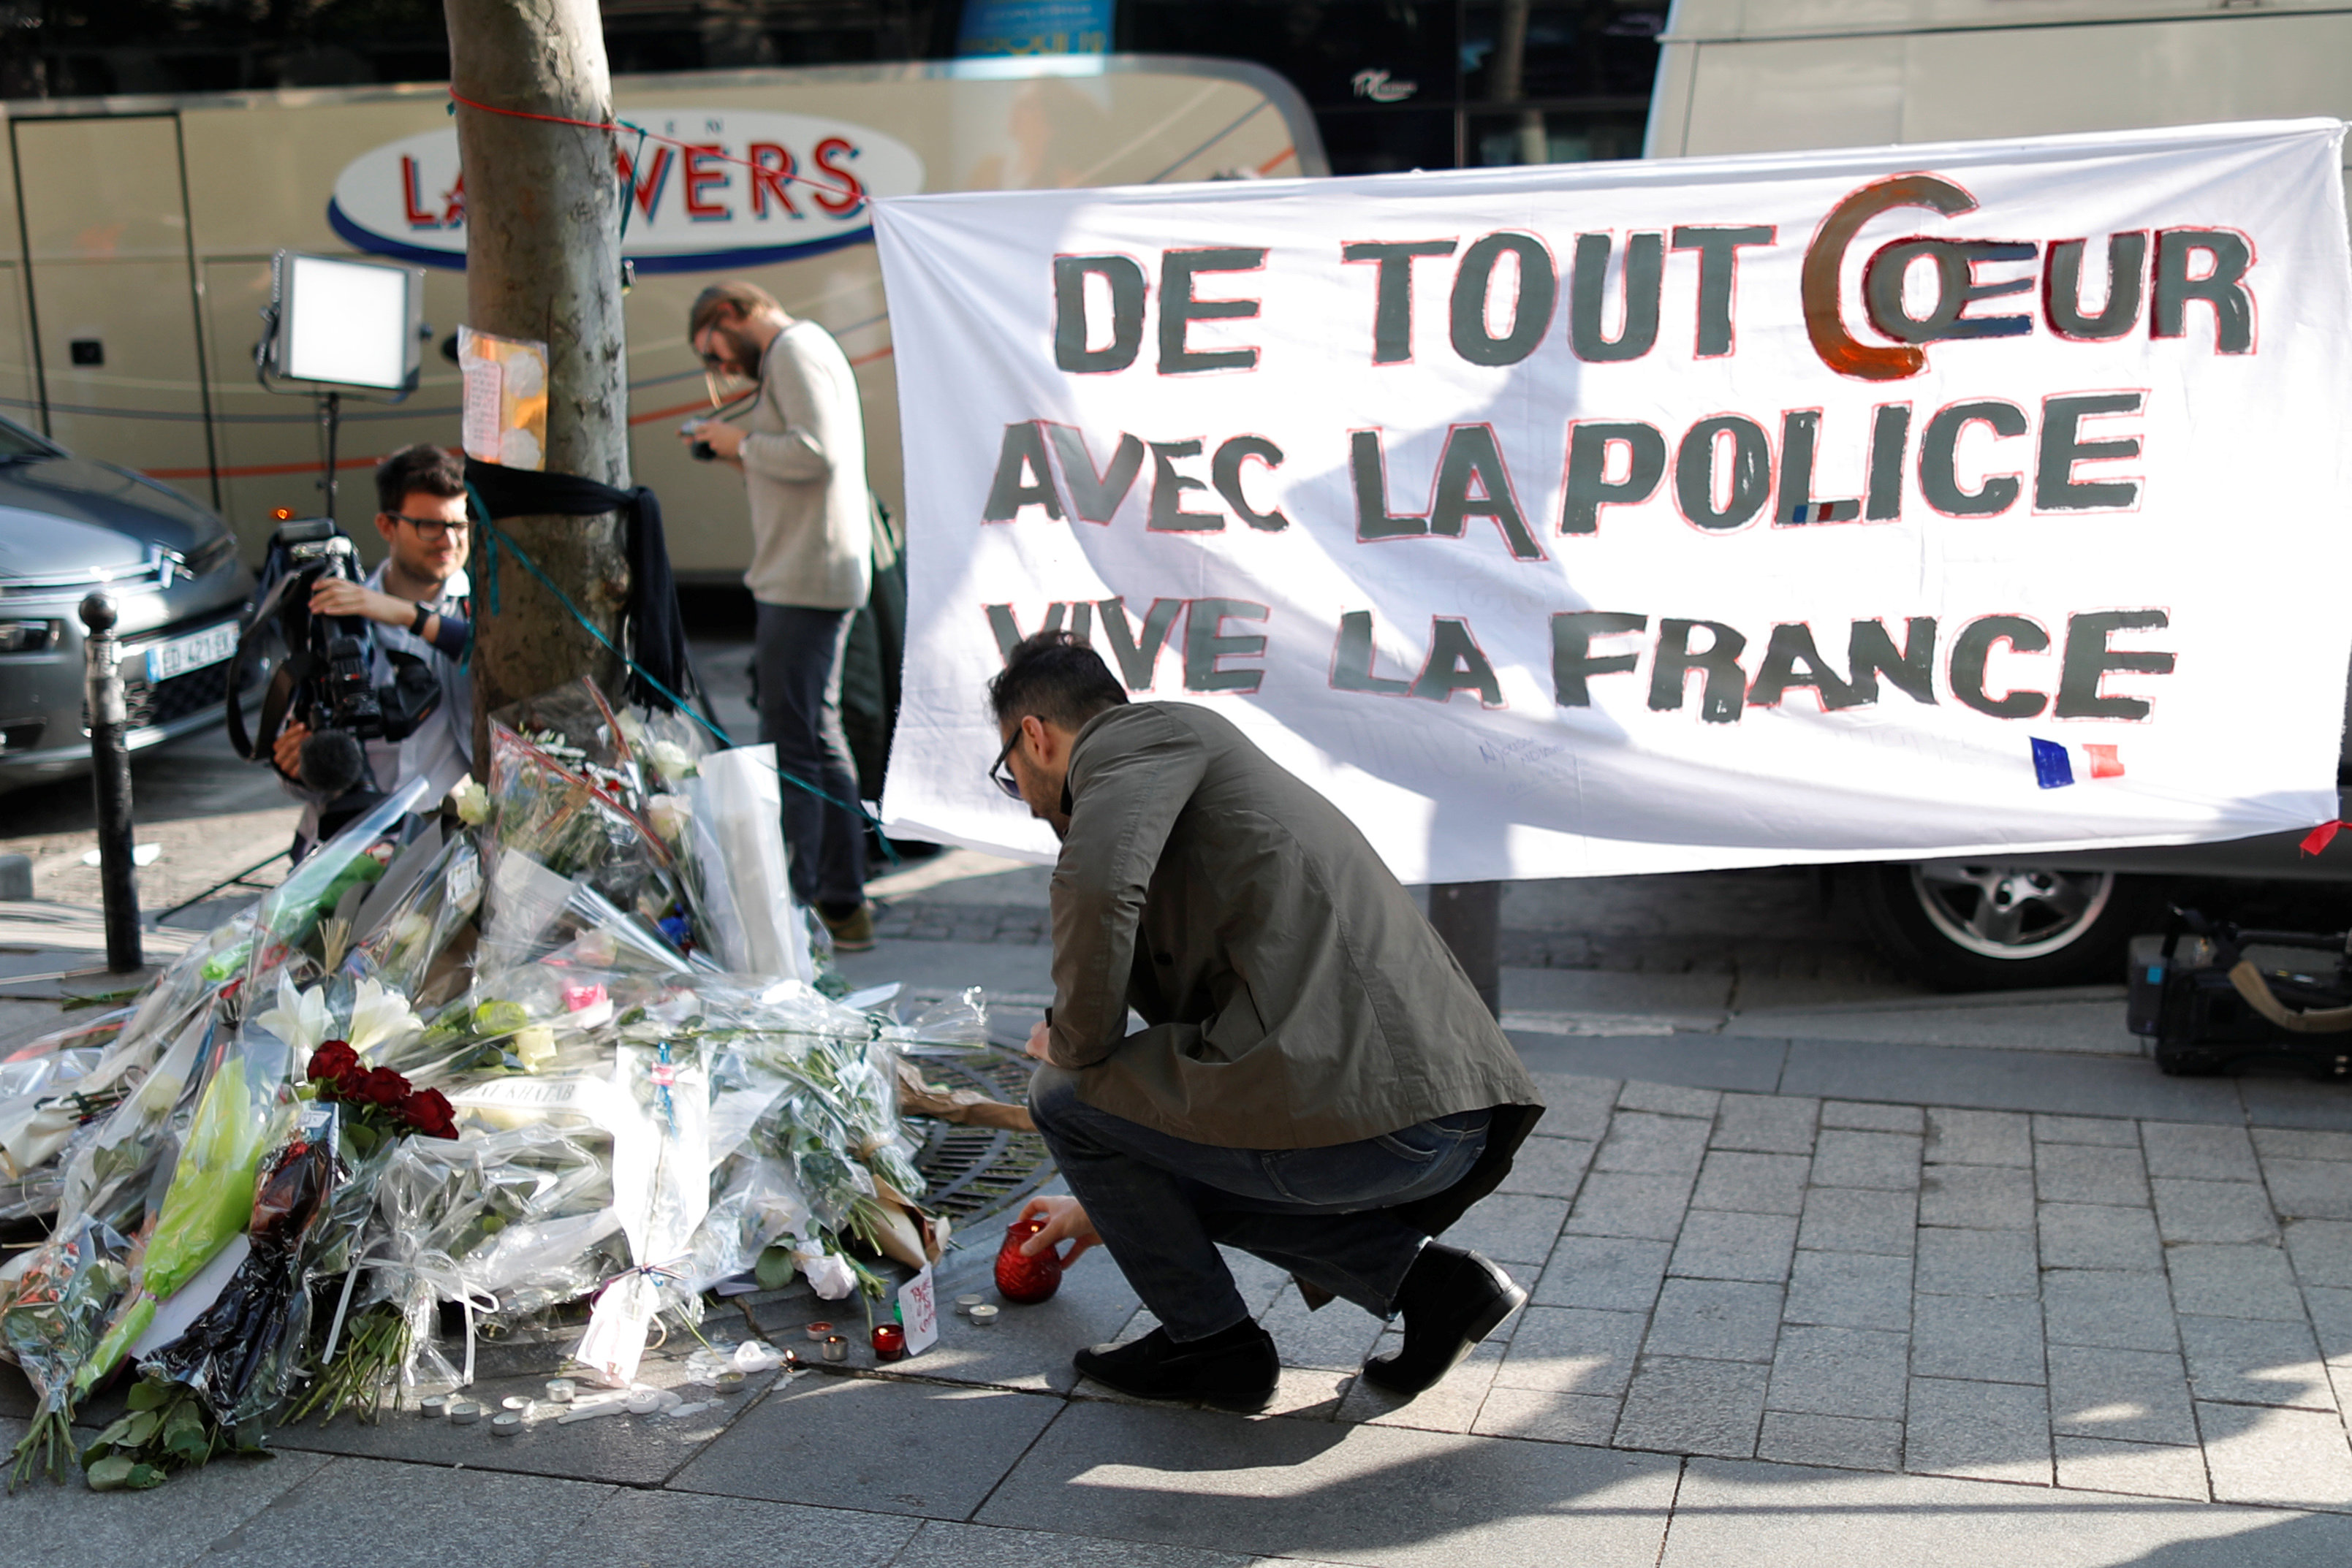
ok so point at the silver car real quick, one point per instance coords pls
(68, 526)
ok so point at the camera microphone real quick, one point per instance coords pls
(332, 761)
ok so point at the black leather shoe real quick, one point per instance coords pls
(1451, 1300)
(1233, 1370)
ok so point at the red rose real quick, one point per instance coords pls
(335, 1062)
(428, 1111)
(381, 1086)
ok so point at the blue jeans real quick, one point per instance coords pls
(1162, 1205)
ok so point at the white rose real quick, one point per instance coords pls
(671, 761)
(828, 1276)
(472, 801)
(670, 815)
(534, 1047)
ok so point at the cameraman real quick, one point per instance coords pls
(417, 600)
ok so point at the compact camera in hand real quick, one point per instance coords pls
(701, 451)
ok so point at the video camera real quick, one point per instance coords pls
(324, 675)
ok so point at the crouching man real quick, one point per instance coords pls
(1317, 1082)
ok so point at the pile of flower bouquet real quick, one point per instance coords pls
(563, 1039)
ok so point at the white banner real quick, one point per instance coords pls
(1870, 504)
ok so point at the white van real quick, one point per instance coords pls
(1771, 76)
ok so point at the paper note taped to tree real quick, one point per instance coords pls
(505, 418)
(1634, 516)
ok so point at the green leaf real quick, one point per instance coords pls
(146, 1395)
(185, 1436)
(774, 1268)
(118, 1473)
(138, 1428)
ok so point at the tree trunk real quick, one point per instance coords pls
(543, 262)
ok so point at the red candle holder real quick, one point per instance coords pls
(889, 1341)
(1025, 1280)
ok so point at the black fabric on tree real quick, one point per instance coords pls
(652, 629)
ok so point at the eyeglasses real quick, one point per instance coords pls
(718, 359)
(430, 529)
(997, 773)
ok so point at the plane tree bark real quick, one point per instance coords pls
(543, 262)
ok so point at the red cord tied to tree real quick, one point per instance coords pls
(380, 1098)
(2320, 837)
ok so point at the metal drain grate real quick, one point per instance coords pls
(975, 1172)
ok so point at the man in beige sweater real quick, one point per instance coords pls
(802, 451)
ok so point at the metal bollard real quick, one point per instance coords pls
(110, 771)
(1469, 916)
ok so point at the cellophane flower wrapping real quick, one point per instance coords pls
(737, 828)
(57, 1311)
(210, 1199)
(595, 960)
(241, 1354)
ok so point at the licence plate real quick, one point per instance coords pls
(193, 651)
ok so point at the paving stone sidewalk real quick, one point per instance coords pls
(2104, 1304)
(1765, 1329)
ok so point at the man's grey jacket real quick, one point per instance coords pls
(1294, 995)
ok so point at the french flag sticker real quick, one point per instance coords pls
(2054, 764)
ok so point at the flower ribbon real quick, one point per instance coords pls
(432, 1267)
(668, 1273)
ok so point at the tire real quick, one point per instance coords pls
(1972, 925)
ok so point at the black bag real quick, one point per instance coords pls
(2208, 1006)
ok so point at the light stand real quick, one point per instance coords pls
(334, 327)
(331, 419)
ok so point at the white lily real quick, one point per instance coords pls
(300, 1020)
(381, 1019)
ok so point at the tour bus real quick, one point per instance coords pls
(136, 250)
(1738, 76)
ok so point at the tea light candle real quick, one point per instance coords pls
(505, 1426)
(965, 1304)
(820, 1332)
(983, 1315)
(433, 1405)
(516, 1402)
(836, 1347)
(729, 1383)
(560, 1390)
(464, 1411)
(889, 1341)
